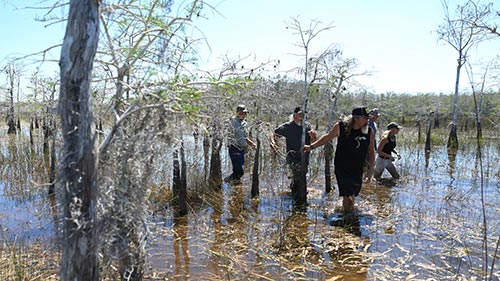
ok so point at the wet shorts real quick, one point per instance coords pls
(348, 185)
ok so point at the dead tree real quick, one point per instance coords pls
(462, 34)
(77, 171)
(179, 181)
(12, 74)
(428, 137)
(255, 172)
(215, 174)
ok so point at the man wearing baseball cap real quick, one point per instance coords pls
(374, 115)
(292, 132)
(237, 143)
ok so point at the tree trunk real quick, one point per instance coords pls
(10, 118)
(479, 129)
(176, 186)
(419, 126)
(428, 137)
(453, 139)
(77, 170)
(52, 171)
(179, 186)
(183, 189)
(255, 172)
(46, 135)
(206, 156)
(329, 145)
(215, 176)
(31, 132)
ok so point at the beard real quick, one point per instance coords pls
(364, 129)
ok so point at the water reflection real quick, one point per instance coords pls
(181, 251)
(349, 222)
(404, 228)
(452, 156)
(24, 205)
(53, 208)
(292, 235)
(427, 156)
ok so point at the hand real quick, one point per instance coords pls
(391, 158)
(312, 134)
(399, 156)
(307, 148)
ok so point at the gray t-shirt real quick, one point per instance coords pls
(238, 133)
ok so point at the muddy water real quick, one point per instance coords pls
(427, 225)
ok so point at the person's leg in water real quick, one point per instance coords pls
(237, 160)
(349, 187)
(348, 204)
(379, 168)
(294, 185)
(392, 170)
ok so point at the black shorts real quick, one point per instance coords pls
(348, 184)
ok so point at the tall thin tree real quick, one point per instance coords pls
(306, 36)
(77, 170)
(462, 34)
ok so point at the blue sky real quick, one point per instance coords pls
(393, 38)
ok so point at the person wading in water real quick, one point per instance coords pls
(385, 149)
(355, 145)
(292, 131)
(238, 141)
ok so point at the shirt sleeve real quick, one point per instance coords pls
(281, 130)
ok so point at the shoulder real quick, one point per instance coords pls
(281, 128)
(335, 129)
(286, 124)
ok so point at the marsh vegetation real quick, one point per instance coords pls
(429, 224)
(113, 169)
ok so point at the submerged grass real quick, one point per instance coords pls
(28, 262)
(425, 226)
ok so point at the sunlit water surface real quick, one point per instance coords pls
(429, 224)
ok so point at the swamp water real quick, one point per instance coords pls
(426, 226)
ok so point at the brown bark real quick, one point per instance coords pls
(215, 174)
(183, 190)
(206, 156)
(428, 136)
(10, 117)
(255, 172)
(79, 155)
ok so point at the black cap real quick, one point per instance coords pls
(241, 108)
(298, 109)
(393, 125)
(361, 112)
